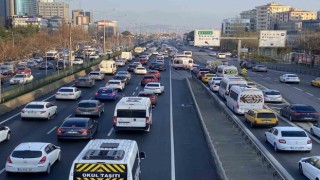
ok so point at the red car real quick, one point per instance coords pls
(23, 70)
(155, 73)
(148, 78)
(143, 61)
(153, 97)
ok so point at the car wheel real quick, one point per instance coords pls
(8, 136)
(48, 169)
(251, 124)
(49, 116)
(99, 115)
(281, 113)
(265, 138)
(59, 157)
(311, 132)
(290, 118)
(300, 169)
(275, 147)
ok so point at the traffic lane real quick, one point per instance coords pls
(192, 155)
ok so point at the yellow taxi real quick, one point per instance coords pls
(261, 117)
(316, 82)
(207, 77)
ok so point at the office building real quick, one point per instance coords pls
(295, 15)
(252, 15)
(80, 18)
(6, 11)
(49, 9)
(232, 26)
(111, 27)
(26, 7)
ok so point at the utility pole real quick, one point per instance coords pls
(70, 48)
(104, 38)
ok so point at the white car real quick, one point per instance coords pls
(214, 85)
(39, 110)
(271, 95)
(120, 62)
(117, 84)
(310, 167)
(21, 79)
(315, 129)
(214, 79)
(154, 87)
(140, 70)
(5, 133)
(288, 139)
(155, 52)
(93, 56)
(96, 75)
(138, 64)
(37, 59)
(33, 157)
(78, 61)
(68, 93)
(124, 73)
(289, 78)
(213, 54)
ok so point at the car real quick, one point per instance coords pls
(93, 57)
(201, 73)
(214, 79)
(96, 75)
(160, 61)
(143, 61)
(206, 77)
(300, 112)
(153, 97)
(37, 59)
(117, 84)
(155, 53)
(315, 129)
(77, 128)
(124, 79)
(62, 64)
(22, 63)
(155, 87)
(214, 85)
(39, 110)
(138, 64)
(77, 61)
(105, 93)
(21, 79)
(228, 53)
(33, 157)
(260, 68)
(4, 70)
(47, 65)
(131, 67)
(288, 138)
(214, 54)
(289, 78)
(148, 78)
(202, 50)
(271, 95)
(89, 108)
(152, 64)
(140, 70)
(251, 84)
(310, 167)
(155, 73)
(68, 93)
(160, 57)
(124, 73)
(32, 64)
(84, 81)
(316, 82)
(120, 62)
(261, 117)
(159, 67)
(5, 133)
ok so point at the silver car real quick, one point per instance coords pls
(89, 108)
(96, 75)
(271, 95)
(260, 68)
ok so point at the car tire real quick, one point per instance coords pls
(265, 139)
(311, 132)
(48, 116)
(99, 115)
(251, 124)
(300, 169)
(275, 147)
(48, 169)
(290, 118)
(8, 136)
(281, 113)
(59, 157)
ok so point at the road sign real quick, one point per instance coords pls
(244, 70)
(207, 37)
(272, 38)
(244, 50)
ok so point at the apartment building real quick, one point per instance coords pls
(79, 17)
(252, 15)
(295, 15)
(49, 9)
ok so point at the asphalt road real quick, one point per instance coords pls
(302, 93)
(175, 146)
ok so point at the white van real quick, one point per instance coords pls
(133, 113)
(226, 71)
(227, 82)
(108, 159)
(108, 67)
(52, 55)
(242, 99)
(127, 56)
(182, 63)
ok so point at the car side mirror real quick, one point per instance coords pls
(142, 155)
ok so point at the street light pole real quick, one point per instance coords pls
(70, 48)
(104, 38)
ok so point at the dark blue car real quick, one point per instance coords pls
(104, 93)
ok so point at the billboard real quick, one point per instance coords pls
(207, 37)
(272, 38)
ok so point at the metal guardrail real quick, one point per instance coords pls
(280, 171)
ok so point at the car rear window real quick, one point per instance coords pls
(119, 77)
(19, 76)
(74, 124)
(65, 90)
(105, 91)
(113, 82)
(293, 134)
(94, 74)
(34, 106)
(26, 154)
(266, 115)
(145, 95)
(272, 93)
(148, 77)
(127, 113)
(305, 109)
(21, 68)
(87, 105)
(153, 85)
(292, 75)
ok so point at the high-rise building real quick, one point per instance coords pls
(6, 11)
(26, 7)
(79, 17)
(49, 9)
(232, 26)
(295, 15)
(2, 12)
(252, 15)
(111, 27)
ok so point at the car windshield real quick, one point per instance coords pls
(87, 105)
(266, 115)
(293, 134)
(272, 93)
(26, 154)
(304, 109)
(34, 106)
(74, 124)
(66, 90)
(19, 76)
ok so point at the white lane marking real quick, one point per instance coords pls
(173, 171)
(309, 94)
(68, 116)
(2, 170)
(268, 78)
(52, 130)
(133, 93)
(298, 89)
(287, 84)
(137, 87)
(110, 132)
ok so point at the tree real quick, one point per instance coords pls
(126, 33)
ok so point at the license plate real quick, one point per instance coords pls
(266, 121)
(85, 112)
(24, 169)
(307, 118)
(72, 132)
(297, 148)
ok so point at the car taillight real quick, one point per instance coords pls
(282, 141)
(9, 160)
(84, 131)
(43, 160)
(41, 112)
(296, 113)
(147, 120)
(59, 131)
(114, 119)
(96, 93)
(309, 141)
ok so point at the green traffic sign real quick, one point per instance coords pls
(205, 32)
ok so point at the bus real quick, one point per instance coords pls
(226, 71)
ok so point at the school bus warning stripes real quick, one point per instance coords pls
(88, 171)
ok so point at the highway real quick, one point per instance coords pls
(175, 146)
(302, 93)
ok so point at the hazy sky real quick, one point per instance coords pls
(190, 13)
